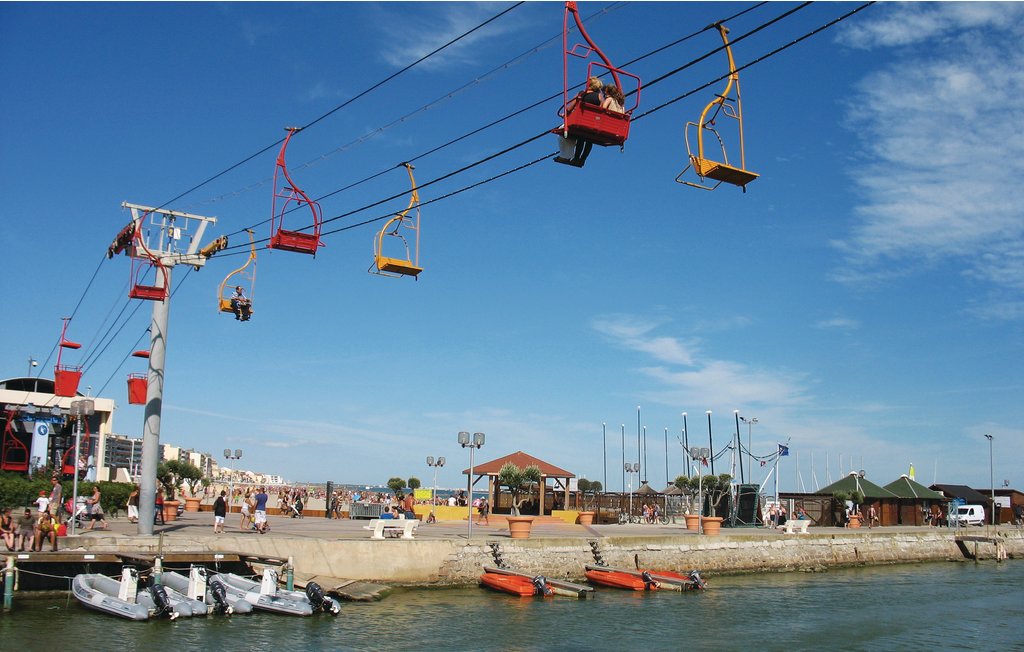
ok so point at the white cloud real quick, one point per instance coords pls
(942, 146)
(838, 323)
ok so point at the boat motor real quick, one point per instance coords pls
(698, 581)
(220, 598)
(540, 585)
(321, 602)
(649, 582)
(162, 602)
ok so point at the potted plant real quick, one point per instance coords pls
(689, 488)
(589, 490)
(173, 474)
(168, 479)
(716, 487)
(518, 481)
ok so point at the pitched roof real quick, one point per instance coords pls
(904, 487)
(854, 482)
(672, 490)
(961, 491)
(522, 460)
(647, 490)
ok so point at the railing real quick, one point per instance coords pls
(366, 510)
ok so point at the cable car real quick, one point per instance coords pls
(138, 384)
(246, 280)
(66, 377)
(583, 121)
(409, 265)
(14, 454)
(288, 193)
(727, 105)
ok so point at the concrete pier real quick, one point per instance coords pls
(441, 554)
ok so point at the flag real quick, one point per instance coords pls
(704, 461)
(783, 451)
(911, 471)
(763, 462)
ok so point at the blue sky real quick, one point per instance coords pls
(862, 299)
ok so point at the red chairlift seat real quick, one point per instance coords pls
(144, 261)
(66, 377)
(14, 454)
(290, 240)
(137, 387)
(600, 126)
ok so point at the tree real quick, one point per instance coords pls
(396, 485)
(716, 487)
(589, 489)
(414, 483)
(518, 482)
(173, 473)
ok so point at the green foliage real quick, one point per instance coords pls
(414, 483)
(589, 489)
(172, 474)
(18, 491)
(518, 481)
(583, 485)
(396, 485)
(857, 496)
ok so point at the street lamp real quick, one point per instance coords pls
(237, 455)
(750, 447)
(699, 454)
(631, 469)
(32, 362)
(476, 442)
(991, 481)
(711, 444)
(604, 444)
(80, 409)
(433, 492)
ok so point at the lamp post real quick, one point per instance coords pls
(700, 453)
(739, 446)
(79, 409)
(32, 363)
(604, 446)
(476, 442)
(237, 455)
(711, 445)
(623, 457)
(433, 492)
(750, 446)
(686, 446)
(991, 481)
(666, 458)
(631, 469)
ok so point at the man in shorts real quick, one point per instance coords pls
(220, 510)
(261, 511)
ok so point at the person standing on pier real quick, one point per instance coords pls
(96, 509)
(56, 496)
(220, 510)
(261, 511)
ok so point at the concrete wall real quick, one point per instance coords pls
(453, 562)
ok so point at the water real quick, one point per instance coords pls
(942, 606)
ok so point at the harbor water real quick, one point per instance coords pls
(938, 606)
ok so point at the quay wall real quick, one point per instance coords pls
(455, 562)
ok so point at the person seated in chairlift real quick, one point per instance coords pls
(574, 151)
(241, 304)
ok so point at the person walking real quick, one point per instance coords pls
(96, 509)
(261, 511)
(133, 505)
(220, 511)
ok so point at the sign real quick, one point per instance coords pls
(423, 494)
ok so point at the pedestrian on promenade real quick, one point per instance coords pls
(56, 495)
(220, 510)
(133, 505)
(246, 511)
(485, 511)
(96, 509)
(261, 510)
(872, 516)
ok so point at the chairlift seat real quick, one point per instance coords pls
(148, 292)
(397, 266)
(66, 379)
(722, 172)
(600, 126)
(302, 243)
(137, 388)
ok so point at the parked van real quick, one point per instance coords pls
(967, 515)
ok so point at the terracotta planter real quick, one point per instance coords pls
(691, 522)
(586, 518)
(854, 520)
(192, 504)
(519, 526)
(712, 525)
(170, 511)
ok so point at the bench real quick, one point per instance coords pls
(797, 525)
(394, 527)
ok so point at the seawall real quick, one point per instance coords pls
(453, 561)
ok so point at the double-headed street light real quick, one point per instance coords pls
(433, 492)
(228, 455)
(700, 454)
(631, 469)
(750, 447)
(80, 410)
(472, 444)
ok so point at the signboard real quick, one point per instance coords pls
(423, 494)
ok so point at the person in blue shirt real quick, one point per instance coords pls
(261, 511)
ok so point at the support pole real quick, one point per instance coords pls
(154, 408)
(289, 574)
(9, 583)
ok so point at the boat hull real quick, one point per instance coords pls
(512, 584)
(619, 580)
(99, 593)
(179, 583)
(292, 603)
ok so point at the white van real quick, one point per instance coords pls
(967, 515)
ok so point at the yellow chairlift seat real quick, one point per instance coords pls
(389, 265)
(246, 273)
(727, 105)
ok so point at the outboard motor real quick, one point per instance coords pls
(162, 602)
(698, 581)
(220, 598)
(649, 582)
(540, 585)
(320, 602)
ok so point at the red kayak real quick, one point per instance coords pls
(620, 580)
(516, 585)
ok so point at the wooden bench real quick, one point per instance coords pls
(394, 527)
(796, 525)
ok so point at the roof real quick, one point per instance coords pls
(854, 482)
(672, 490)
(961, 491)
(522, 460)
(647, 490)
(904, 487)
